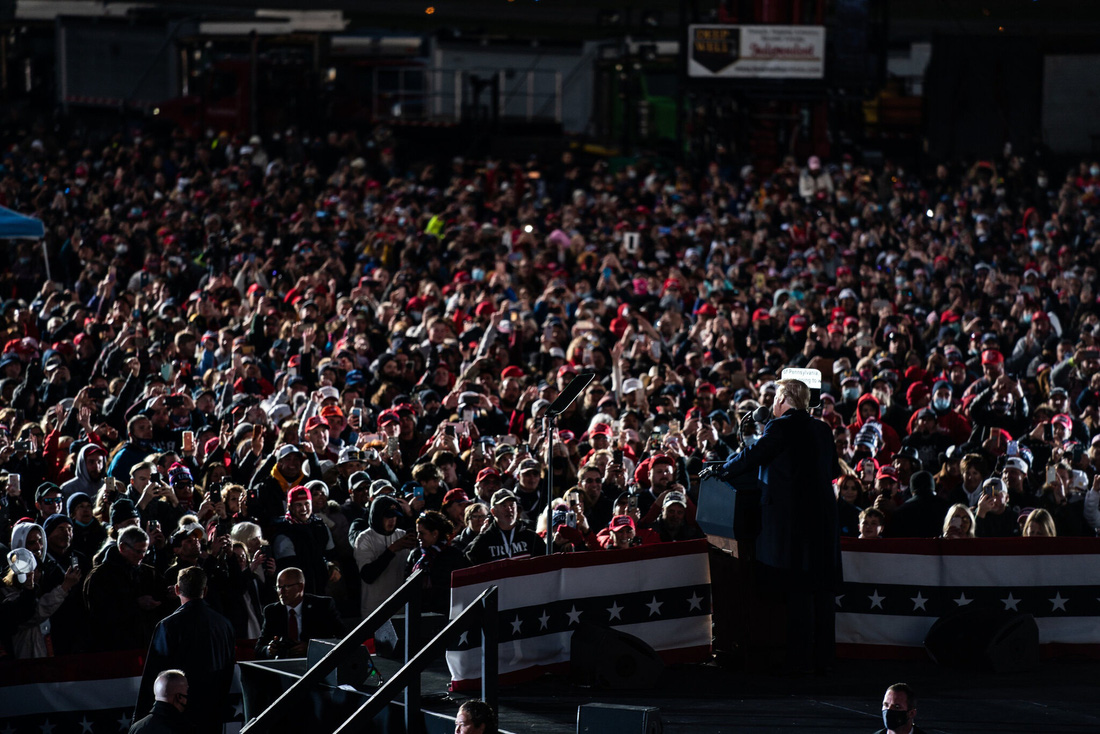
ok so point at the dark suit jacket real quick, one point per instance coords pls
(319, 620)
(200, 642)
(796, 461)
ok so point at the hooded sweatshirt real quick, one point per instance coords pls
(82, 482)
(29, 638)
(891, 442)
(381, 570)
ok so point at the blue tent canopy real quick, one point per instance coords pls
(14, 225)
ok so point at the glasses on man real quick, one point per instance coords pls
(53, 500)
(288, 587)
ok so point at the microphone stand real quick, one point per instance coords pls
(550, 423)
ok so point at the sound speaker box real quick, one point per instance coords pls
(607, 658)
(985, 639)
(606, 718)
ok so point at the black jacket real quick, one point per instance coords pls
(320, 620)
(201, 643)
(492, 545)
(796, 461)
(163, 719)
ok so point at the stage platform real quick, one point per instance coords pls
(706, 699)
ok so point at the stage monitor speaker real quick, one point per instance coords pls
(606, 718)
(729, 511)
(354, 671)
(985, 639)
(607, 658)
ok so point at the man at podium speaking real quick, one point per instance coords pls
(798, 547)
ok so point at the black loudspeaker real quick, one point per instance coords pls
(607, 658)
(985, 639)
(354, 671)
(606, 718)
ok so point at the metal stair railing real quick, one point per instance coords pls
(482, 612)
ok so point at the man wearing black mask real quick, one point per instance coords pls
(899, 711)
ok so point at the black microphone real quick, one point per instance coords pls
(762, 414)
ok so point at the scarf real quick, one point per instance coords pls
(284, 483)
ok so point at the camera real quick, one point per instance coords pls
(24, 445)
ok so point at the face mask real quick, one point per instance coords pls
(899, 280)
(854, 221)
(941, 404)
(1042, 181)
(842, 200)
(846, 166)
(894, 719)
(1032, 232)
(1036, 245)
(851, 394)
(1094, 171)
(750, 441)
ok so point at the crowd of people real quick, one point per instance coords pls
(321, 355)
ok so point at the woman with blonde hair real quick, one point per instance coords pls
(1039, 524)
(959, 522)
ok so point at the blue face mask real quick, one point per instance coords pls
(941, 404)
(750, 441)
(1036, 245)
(850, 394)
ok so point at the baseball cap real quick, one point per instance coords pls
(486, 473)
(528, 465)
(455, 495)
(501, 496)
(631, 384)
(286, 450)
(621, 521)
(675, 498)
(316, 422)
(1015, 462)
(992, 356)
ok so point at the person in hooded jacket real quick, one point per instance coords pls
(381, 553)
(91, 467)
(301, 539)
(869, 409)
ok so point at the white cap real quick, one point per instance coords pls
(631, 384)
(328, 392)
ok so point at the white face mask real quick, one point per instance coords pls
(750, 441)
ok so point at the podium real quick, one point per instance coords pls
(745, 624)
(730, 511)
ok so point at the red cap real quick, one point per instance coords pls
(850, 321)
(316, 422)
(485, 308)
(621, 521)
(835, 328)
(388, 416)
(511, 371)
(330, 410)
(949, 317)
(297, 494)
(483, 474)
(706, 310)
(456, 495)
(887, 471)
(601, 429)
(837, 314)
(992, 356)
(761, 314)
(567, 369)
(798, 323)
(1064, 419)
(843, 270)
(1040, 316)
(706, 387)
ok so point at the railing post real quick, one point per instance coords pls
(413, 717)
(490, 657)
